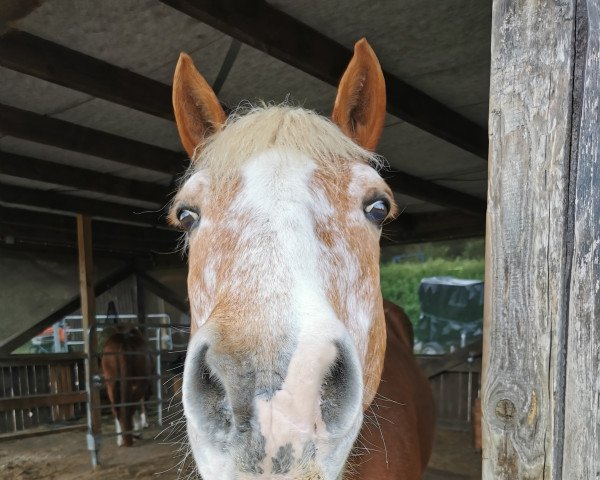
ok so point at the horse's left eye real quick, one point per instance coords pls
(188, 219)
(377, 211)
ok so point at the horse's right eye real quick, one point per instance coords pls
(188, 219)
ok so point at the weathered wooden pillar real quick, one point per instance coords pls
(581, 457)
(88, 314)
(542, 339)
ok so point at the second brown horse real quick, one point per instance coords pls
(125, 358)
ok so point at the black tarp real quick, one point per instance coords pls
(452, 298)
(451, 314)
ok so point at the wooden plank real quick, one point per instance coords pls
(81, 178)
(262, 26)
(527, 239)
(8, 344)
(581, 457)
(60, 383)
(40, 358)
(70, 136)
(438, 365)
(47, 222)
(88, 323)
(136, 240)
(10, 194)
(46, 400)
(41, 58)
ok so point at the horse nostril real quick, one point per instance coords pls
(210, 392)
(340, 388)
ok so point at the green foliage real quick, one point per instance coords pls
(400, 281)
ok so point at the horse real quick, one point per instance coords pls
(404, 400)
(125, 357)
(281, 211)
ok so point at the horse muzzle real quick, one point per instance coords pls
(294, 417)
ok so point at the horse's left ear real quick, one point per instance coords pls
(198, 112)
(359, 108)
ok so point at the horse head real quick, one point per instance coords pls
(282, 211)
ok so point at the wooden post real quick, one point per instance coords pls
(88, 313)
(581, 458)
(541, 336)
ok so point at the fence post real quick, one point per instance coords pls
(88, 313)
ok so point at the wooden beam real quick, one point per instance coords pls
(262, 26)
(88, 324)
(435, 226)
(433, 193)
(41, 58)
(48, 400)
(20, 359)
(81, 178)
(49, 223)
(70, 136)
(86, 282)
(137, 240)
(35, 235)
(436, 366)
(8, 344)
(68, 203)
(532, 264)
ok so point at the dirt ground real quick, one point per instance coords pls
(64, 456)
(453, 453)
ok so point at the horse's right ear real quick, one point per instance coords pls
(359, 108)
(198, 112)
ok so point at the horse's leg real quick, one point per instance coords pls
(113, 396)
(144, 419)
(137, 424)
(120, 440)
(125, 411)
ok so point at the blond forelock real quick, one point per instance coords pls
(250, 130)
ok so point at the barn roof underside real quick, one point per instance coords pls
(86, 123)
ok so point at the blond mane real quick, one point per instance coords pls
(251, 130)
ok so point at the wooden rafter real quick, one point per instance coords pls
(262, 26)
(81, 178)
(10, 194)
(35, 227)
(70, 136)
(43, 59)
